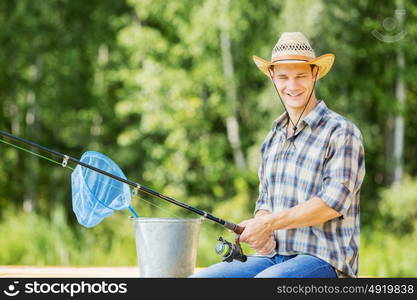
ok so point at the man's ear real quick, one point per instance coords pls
(271, 70)
(314, 70)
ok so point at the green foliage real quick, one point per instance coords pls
(388, 243)
(144, 82)
(387, 254)
(36, 240)
(399, 206)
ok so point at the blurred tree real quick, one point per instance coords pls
(190, 84)
(232, 123)
(400, 95)
(366, 78)
(48, 61)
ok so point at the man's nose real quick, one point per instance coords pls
(292, 84)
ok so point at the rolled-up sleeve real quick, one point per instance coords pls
(343, 170)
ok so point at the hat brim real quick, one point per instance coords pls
(324, 62)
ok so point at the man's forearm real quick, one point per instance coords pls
(262, 212)
(309, 213)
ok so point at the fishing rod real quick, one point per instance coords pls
(228, 250)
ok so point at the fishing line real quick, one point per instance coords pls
(101, 181)
(34, 153)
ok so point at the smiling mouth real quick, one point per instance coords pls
(294, 95)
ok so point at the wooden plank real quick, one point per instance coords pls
(60, 272)
(69, 272)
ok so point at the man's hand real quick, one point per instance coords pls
(258, 234)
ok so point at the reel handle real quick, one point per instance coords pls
(238, 230)
(233, 227)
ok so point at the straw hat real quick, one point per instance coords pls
(293, 47)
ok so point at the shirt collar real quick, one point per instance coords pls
(312, 119)
(281, 121)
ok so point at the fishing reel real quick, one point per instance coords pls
(230, 251)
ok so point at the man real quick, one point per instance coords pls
(306, 221)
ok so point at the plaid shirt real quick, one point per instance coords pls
(326, 161)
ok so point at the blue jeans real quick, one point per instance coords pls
(278, 266)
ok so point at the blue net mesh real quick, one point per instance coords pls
(94, 195)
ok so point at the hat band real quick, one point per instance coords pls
(291, 57)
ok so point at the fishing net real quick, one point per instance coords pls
(94, 195)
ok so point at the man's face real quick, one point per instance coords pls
(294, 83)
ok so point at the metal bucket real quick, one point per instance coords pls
(166, 247)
